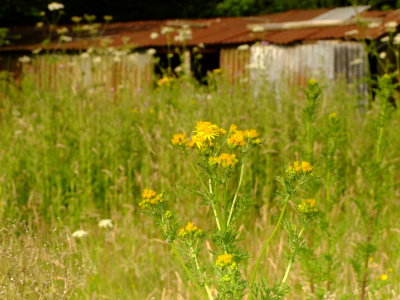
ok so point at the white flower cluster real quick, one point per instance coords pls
(105, 223)
(55, 6)
(24, 59)
(79, 234)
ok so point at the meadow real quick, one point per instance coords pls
(71, 158)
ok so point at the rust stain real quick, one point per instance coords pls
(216, 31)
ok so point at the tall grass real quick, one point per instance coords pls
(70, 158)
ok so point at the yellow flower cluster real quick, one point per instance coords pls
(312, 81)
(217, 71)
(206, 132)
(297, 167)
(150, 197)
(242, 137)
(164, 81)
(225, 260)
(307, 206)
(332, 115)
(225, 160)
(179, 139)
(190, 228)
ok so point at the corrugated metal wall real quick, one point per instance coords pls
(330, 59)
(234, 62)
(59, 70)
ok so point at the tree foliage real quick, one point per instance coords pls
(26, 12)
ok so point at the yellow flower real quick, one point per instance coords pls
(297, 167)
(208, 131)
(224, 259)
(312, 81)
(233, 127)
(306, 167)
(384, 277)
(179, 139)
(225, 160)
(147, 194)
(332, 115)
(189, 228)
(150, 197)
(241, 137)
(237, 139)
(307, 206)
(198, 141)
(164, 81)
(252, 133)
(217, 71)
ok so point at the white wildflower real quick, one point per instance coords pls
(382, 55)
(391, 26)
(257, 28)
(396, 39)
(55, 6)
(76, 19)
(133, 58)
(117, 59)
(151, 51)
(105, 223)
(62, 30)
(167, 30)
(351, 32)
(154, 35)
(97, 60)
(24, 59)
(65, 38)
(385, 39)
(201, 45)
(36, 51)
(356, 61)
(85, 55)
(374, 25)
(183, 35)
(243, 47)
(178, 38)
(79, 234)
(178, 69)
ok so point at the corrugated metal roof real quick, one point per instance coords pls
(208, 31)
(342, 13)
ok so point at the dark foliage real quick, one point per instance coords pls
(26, 12)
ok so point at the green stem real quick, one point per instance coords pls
(268, 241)
(198, 176)
(379, 144)
(209, 294)
(235, 197)
(187, 271)
(291, 260)
(213, 204)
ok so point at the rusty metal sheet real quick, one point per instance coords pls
(217, 31)
(289, 36)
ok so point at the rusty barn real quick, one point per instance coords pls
(292, 45)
